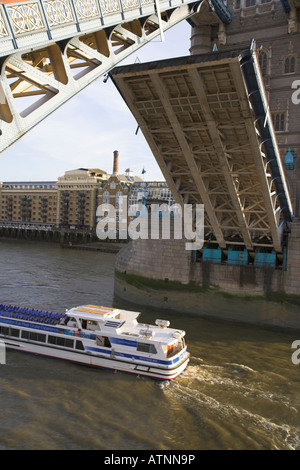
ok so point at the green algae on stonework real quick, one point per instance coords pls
(141, 282)
(159, 284)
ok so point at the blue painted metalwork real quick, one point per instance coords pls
(221, 10)
(289, 160)
(286, 5)
(251, 73)
(237, 256)
(212, 254)
(284, 262)
(264, 258)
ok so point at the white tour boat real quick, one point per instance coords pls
(97, 336)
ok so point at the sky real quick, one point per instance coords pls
(85, 131)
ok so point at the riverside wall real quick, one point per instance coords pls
(163, 275)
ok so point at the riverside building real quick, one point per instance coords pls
(70, 203)
(77, 194)
(28, 204)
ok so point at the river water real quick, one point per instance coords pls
(240, 391)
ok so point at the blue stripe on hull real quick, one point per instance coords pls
(136, 372)
(59, 329)
(124, 342)
(28, 324)
(139, 358)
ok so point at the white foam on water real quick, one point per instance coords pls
(195, 389)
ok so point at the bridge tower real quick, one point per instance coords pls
(192, 141)
(274, 24)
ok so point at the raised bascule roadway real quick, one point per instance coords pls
(207, 122)
(206, 118)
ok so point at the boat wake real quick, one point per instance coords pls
(239, 367)
(235, 400)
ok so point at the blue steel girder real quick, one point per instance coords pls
(290, 5)
(254, 83)
(286, 5)
(221, 10)
(50, 50)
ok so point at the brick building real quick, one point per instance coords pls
(77, 194)
(70, 202)
(28, 202)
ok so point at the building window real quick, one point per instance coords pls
(278, 121)
(250, 3)
(263, 62)
(237, 4)
(119, 199)
(290, 64)
(106, 197)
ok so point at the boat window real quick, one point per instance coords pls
(66, 342)
(69, 343)
(146, 347)
(8, 331)
(92, 325)
(170, 349)
(33, 336)
(4, 330)
(52, 339)
(60, 341)
(14, 332)
(103, 341)
(79, 345)
(174, 348)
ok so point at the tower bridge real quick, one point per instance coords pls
(224, 129)
(220, 124)
(50, 50)
(206, 120)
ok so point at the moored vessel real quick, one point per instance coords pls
(97, 336)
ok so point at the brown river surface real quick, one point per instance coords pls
(240, 391)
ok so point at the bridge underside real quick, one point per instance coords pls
(50, 50)
(206, 121)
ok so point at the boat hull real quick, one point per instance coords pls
(96, 336)
(110, 363)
